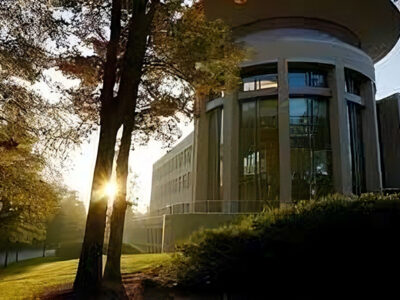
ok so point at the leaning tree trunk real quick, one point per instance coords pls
(89, 274)
(112, 272)
(130, 79)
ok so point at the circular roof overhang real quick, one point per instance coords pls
(374, 24)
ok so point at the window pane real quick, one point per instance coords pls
(353, 82)
(260, 82)
(357, 148)
(307, 78)
(259, 169)
(310, 148)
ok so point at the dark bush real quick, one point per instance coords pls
(335, 244)
(70, 250)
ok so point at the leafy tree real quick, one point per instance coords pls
(134, 75)
(27, 201)
(31, 34)
(197, 55)
(139, 72)
(68, 225)
(29, 123)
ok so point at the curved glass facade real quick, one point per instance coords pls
(283, 138)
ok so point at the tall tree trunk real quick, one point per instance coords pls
(6, 258)
(130, 79)
(89, 273)
(16, 255)
(44, 250)
(112, 272)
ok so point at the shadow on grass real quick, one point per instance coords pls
(27, 265)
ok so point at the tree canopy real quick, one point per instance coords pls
(26, 199)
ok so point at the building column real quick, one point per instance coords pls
(285, 173)
(200, 154)
(339, 127)
(373, 173)
(230, 171)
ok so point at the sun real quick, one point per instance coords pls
(111, 189)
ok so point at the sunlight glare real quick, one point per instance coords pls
(111, 189)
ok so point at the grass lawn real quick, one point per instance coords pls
(32, 277)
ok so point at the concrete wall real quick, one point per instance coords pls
(163, 233)
(389, 130)
(146, 234)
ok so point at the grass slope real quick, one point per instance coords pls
(29, 278)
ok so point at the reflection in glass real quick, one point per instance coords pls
(215, 155)
(307, 79)
(259, 155)
(260, 82)
(311, 155)
(352, 82)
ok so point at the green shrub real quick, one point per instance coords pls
(330, 244)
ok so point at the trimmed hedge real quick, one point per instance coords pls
(330, 244)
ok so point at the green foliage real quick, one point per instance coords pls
(201, 52)
(26, 199)
(295, 246)
(68, 225)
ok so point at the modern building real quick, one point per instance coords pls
(304, 121)
(389, 131)
(172, 186)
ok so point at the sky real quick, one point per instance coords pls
(78, 175)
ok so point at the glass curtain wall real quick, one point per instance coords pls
(259, 155)
(311, 154)
(356, 148)
(215, 191)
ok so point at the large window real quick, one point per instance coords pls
(215, 140)
(259, 155)
(310, 148)
(357, 148)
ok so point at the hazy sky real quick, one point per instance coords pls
(79, 175)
